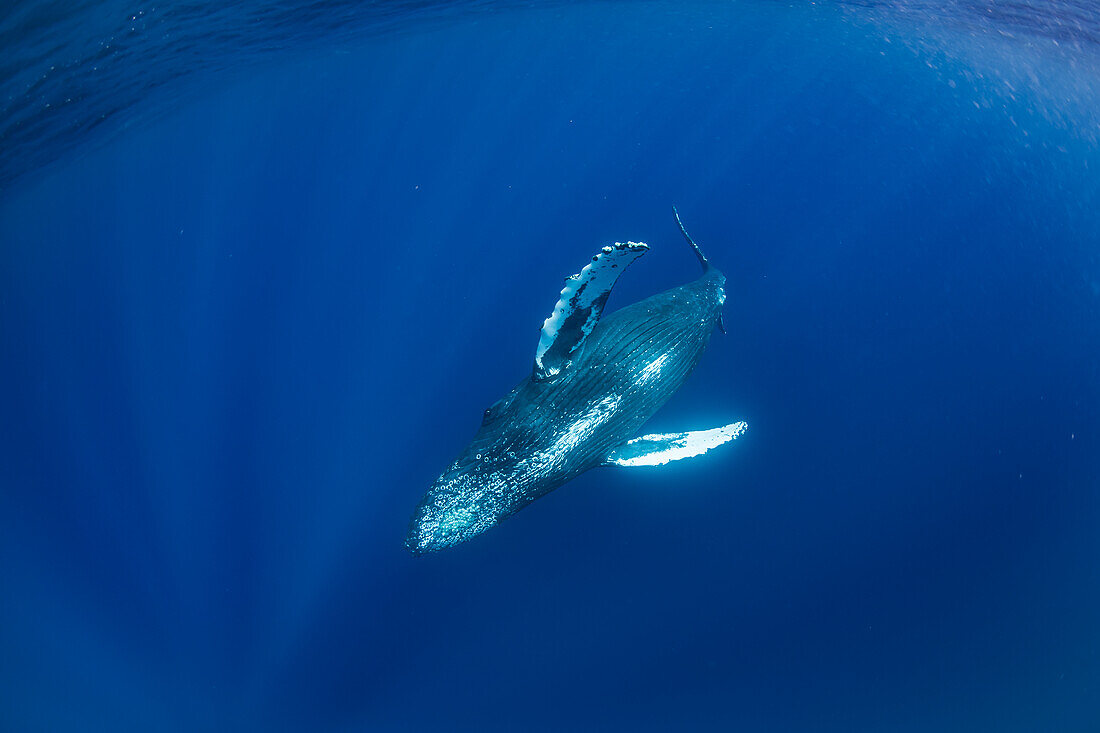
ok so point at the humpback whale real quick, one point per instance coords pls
(594, 383)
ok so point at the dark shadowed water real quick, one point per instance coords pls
(265, 264)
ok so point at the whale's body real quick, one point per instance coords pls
(595, 383)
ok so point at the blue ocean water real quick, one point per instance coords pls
(265, 264)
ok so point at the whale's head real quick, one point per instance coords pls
(462, 503)
(488, 482)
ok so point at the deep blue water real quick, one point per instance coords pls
(263, 274)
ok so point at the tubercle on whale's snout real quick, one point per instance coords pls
(414, 535)
(462, 503)
(413, 541)
(431, 534)
(413, 546)
(424, 528)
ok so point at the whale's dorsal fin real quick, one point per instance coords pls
(579, 307)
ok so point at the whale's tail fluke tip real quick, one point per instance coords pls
(694, 246)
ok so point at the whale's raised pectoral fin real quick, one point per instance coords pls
(579, 307)
(660, 448)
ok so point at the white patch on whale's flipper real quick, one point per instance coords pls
(579, 307)
(660, 448)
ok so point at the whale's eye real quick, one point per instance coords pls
(498, 409)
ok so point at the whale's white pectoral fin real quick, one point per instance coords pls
(660, 448)
(579, 307)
